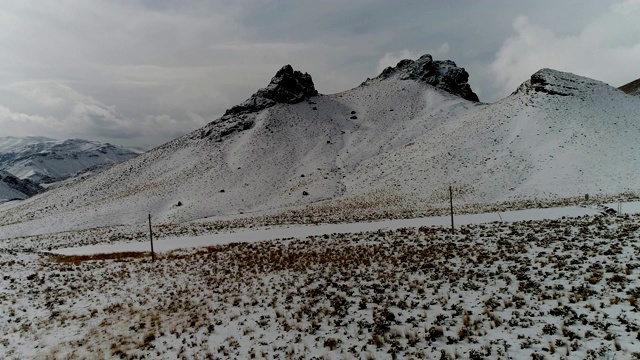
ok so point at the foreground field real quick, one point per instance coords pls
(563, 288)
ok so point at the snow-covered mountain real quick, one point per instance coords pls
(632, 88)
(12, 188)
(406, 134)
(45, 160)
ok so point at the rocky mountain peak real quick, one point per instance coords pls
(287, 86)
(558, 83)
(443, 74)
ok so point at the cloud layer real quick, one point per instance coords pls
(607, 49)
(142, 72)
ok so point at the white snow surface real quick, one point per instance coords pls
(567, 137)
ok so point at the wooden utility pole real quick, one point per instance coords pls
(451, 204)
(153, 255)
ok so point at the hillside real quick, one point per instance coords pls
(45, 160)
(396, 140)
(632, 88)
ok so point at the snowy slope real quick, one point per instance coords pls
(45, 160)
(558, 135)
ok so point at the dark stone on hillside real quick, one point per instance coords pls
(539, 82)
(287, 87)
(443, 74)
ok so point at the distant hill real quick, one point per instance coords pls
(44, 160)
(632, 88)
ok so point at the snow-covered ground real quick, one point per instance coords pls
(563, 288)
(303, 231)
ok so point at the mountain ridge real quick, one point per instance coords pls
(46, 160)
(392, 142)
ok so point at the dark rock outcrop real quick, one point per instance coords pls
(25, 186)
(632, 88)
(556, 83)
(443, 74)
(287, 86)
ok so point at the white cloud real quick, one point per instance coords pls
(606, 49)
(81, 115)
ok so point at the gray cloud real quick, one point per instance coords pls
(143, 72)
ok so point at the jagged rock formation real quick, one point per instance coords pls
(287, 86)
(443, 74)
(632, 88)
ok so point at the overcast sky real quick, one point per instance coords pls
(140, 73)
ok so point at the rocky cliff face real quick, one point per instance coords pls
(443, 74)
(287, 86)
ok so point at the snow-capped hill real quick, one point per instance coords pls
(282, 155)
(554, 82)
(632, 88)
(287, 86)
(9, 144)
(443, 74)
(44, 160)
(559, 135)
(12, 188)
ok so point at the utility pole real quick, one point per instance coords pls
(153, 255)
(451, 204)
